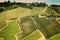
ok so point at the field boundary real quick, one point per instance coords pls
(31, 34)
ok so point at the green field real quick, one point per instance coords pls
(34, 36)
(37, 10)
(14, 13)
(10, 31)
(20, 12)
(55, 37)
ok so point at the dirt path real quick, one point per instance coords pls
(45, 8)
(42, 38)
(34, 21)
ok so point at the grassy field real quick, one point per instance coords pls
(10, 31)
(34, 36)
(20, 12)
(37, 10)
(47, 27)
(55, 37)
(14, 13)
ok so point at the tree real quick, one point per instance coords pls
(43, 4)
(2, 9)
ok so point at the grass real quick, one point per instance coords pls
(10, 31)
(37, 10)
(20, 12)
(14, 13)
(34, 36)
(55, 37)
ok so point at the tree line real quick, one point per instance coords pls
(11, 5)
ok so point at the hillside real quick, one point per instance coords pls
(30, 24)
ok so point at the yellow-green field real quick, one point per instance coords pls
(34, 36)
(55, 37)
(10, 31)
(14, 13)
(37, 10)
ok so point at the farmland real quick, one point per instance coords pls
(27, 25)
(37, 10)
(14, 13)
(55, 37)
(34, 36)
(47, 27)
(10, 31)
(23, 24)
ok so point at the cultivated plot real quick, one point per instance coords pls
(9, 32)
